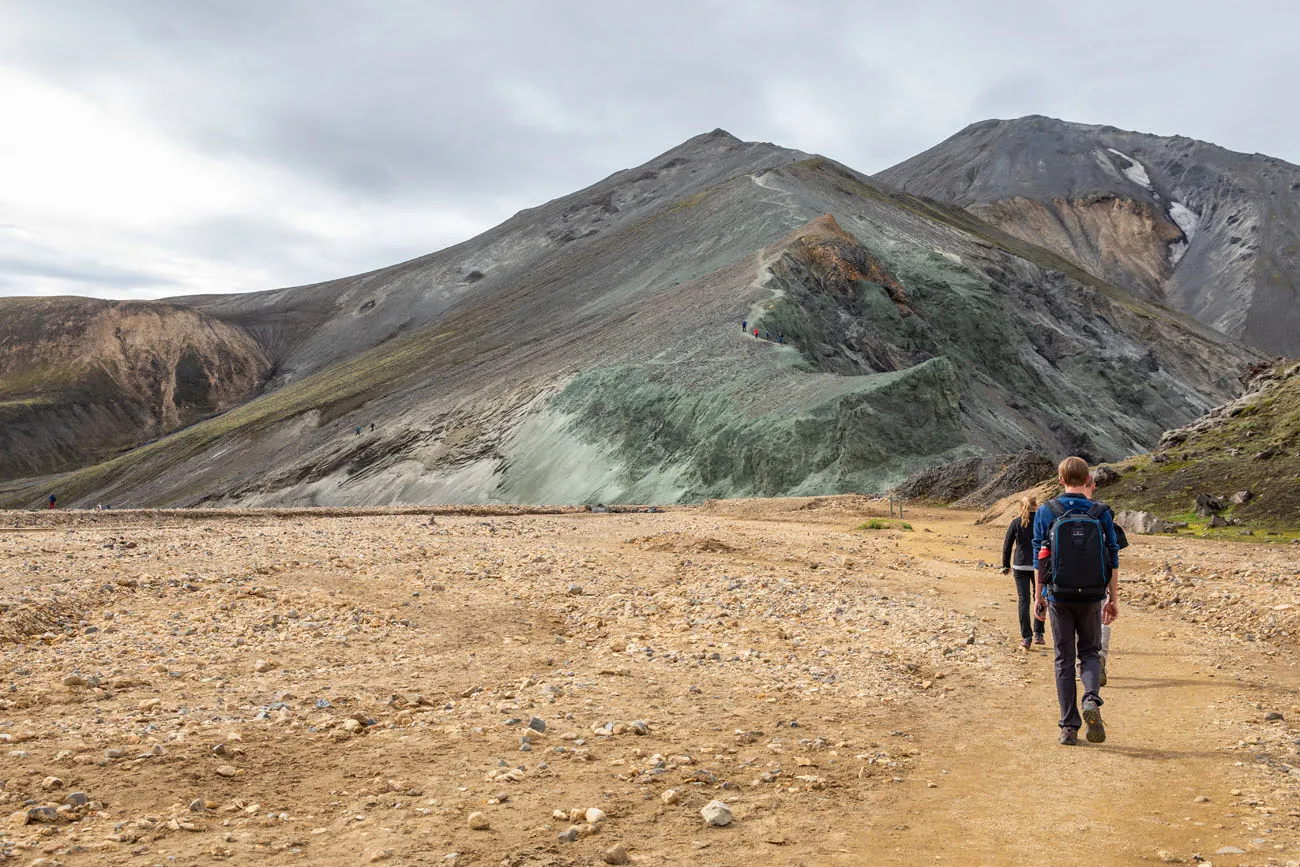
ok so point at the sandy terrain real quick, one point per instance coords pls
(349, 689)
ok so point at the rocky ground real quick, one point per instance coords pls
(506, 688)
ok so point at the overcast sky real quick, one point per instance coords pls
(164, 147)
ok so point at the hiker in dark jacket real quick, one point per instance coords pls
(1020, 537)
(1078, 611)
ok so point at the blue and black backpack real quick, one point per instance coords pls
(1077, 545)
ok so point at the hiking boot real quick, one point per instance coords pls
(1038, 639)
(1024, 644)
(1103, 671)
(1069, 737)
(1096, 733)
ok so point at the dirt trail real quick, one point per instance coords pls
(1008, 791)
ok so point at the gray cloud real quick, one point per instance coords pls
(460, 114)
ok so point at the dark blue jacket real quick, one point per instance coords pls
(1043, 519)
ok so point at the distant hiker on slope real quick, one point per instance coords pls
(744, 325)
(1078, 567)
(52, 500)
(1020, 536)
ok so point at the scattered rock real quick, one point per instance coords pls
(568, 835)
(670, 797)
(1104, 475)
(594, 815)
(76, 799)
(1272, 716)
(226, 770)
(75, 681)
(1229, 850)
(1241, 498)
(537, 724)
(616, 854)
(1208, 504)
(716, 814)
(1141, 523)
(479, 822)
(262, 666)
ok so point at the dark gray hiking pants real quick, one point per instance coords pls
(1076, 631)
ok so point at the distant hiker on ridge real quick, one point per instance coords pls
(358, 430)
(1020, 536)
(744, 325)
(52, 500)
(1078, 587)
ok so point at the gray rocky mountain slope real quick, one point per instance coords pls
(591, 349)
(1207, 231)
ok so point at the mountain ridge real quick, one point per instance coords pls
(597, 354)
(1208, 231)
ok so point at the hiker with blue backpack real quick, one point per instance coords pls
(1078, 588)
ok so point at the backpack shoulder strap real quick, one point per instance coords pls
(1097, 510)
(1057, 507)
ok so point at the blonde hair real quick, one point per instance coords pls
(1027, 506)
(1073, 472)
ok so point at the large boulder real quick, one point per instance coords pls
(1208, 504)
(1241, 497)
(1142, 523)
(1104, 475)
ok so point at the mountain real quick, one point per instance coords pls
(81, 378)
(1204, 230)
(591, 349)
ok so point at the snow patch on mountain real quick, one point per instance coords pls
(1187, 220)
(1135, 171)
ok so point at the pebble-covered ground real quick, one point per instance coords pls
(757, 682)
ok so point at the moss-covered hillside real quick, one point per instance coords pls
(1251, 444)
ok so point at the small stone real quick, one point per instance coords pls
(616, 854)
(479, 822)
(1272, 716)
(114, 753)
(75, 680)
(52, 783)
(43, 815)
(537, 724)
(379, 855)
(594, 815)
(1230, 850)
(716, 814)
(198, 805)
(639, 727)
(568, 835)
(351, 725)
(226, 771)
(618, 645)
(1200, 799)
(575, 590)
(149, 705)
(76, 799)
(1166, 856)
(262, 666)
(670, 797)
